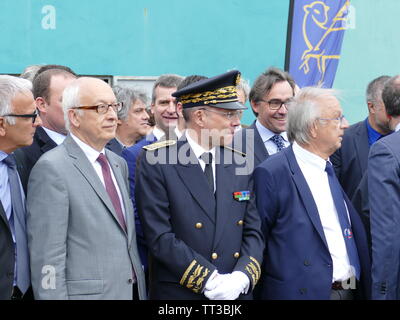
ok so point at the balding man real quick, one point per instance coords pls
(80, 220)
(316, 246)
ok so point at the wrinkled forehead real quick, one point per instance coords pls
(92, 91)
(329, 105)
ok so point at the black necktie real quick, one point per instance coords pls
(347, 233)
(18, 223)
(207, 158)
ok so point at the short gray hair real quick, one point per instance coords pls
(303, 110)
(70, 99)
(128, 96)
(166, 81)
(375, 88)
(245, 86)
(9, 87)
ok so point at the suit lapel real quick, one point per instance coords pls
(194, 179)
(82, 163)
(225, 182)
(3, 215)
(260, 151)
(46, 143)
(305, 193)
(362, 146)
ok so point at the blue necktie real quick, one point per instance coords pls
(18, 223)
(278, 140)
(338, 199)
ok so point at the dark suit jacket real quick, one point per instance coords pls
(249, 141)
(297, 262)
(115, 146)
(350, 160)
(6, 257)
(27, 157)
(131, 155)
(190, 232)
(384, 202)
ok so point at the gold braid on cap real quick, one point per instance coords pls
(215, 96)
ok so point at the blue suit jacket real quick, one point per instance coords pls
(384, 198)
(243, 140)
(297, 262)
(131, 155)
(350, 160)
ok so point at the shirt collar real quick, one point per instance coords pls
(198, 150)
(397, 127)
(158, 133)
(373, 135)
(3, 155)
(90, 153)
(308, 157)
(58, 138)
(267, 134)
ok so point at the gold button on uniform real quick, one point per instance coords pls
(240, 222)
(199, 225)
(214, 256)
(236, 255)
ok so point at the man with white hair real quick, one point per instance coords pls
(80, 219)
(18, 122)
(316, 245)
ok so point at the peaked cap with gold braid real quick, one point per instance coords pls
(219, 91)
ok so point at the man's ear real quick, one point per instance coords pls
(74, 118)
(371, 107)
(41, 104)
(179, 108)
(2, 127)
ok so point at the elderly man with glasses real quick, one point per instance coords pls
(18, 122)
(81, 231)
(316, 245)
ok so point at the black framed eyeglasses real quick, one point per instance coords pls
(276, 104)
(29, 115)
(102, 108)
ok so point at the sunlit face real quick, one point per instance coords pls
(53, 115)
(329, 133)
(274, 120)
(221, 125)
(21, 134)
(164, 108)
(137, 122)
(380, 117)
(91, 127)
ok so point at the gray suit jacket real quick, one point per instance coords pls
(78, 249)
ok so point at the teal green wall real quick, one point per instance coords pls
(369, 50)
(146, 37)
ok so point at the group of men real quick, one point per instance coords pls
(196, 207)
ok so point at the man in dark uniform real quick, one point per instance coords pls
(197, 205)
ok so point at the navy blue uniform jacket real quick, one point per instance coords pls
(189, 232)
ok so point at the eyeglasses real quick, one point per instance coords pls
(340, 119)
(29, 115)
(102, 108)
(229, 115)
(276, 104)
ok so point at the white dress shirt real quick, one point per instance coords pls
(58, 138)
(267, 134)
(92, 156)
(313, 169)
(198, 151)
